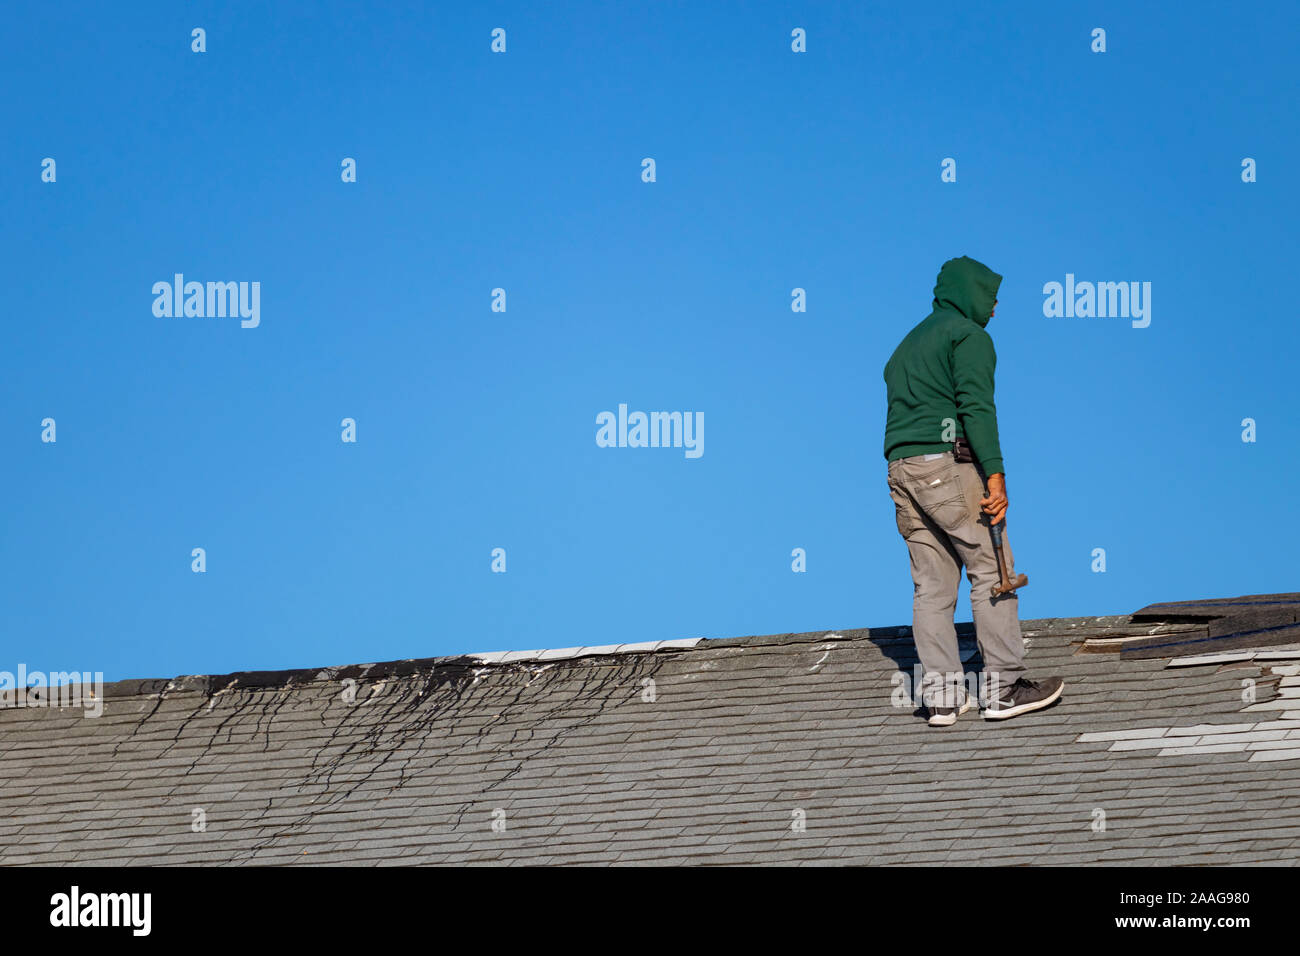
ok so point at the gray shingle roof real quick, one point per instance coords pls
(689, 752)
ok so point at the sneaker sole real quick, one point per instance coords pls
(1024, 708)
(947, 720)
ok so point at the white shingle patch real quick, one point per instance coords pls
(1200, 729)
(569, 653)
(1280, 703)
(511, 657)
(559, 653)
(1231, 656)
(1277, 737)
(1252, 736)
(1145, 743)
(1123, 734)
(1260, 755)
(1209, 749)
(1211, 659)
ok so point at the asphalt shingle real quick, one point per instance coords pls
(795, 748)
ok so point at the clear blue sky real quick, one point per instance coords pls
(476, 429)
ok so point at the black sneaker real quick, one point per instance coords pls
(947, 716)
(1024, 696)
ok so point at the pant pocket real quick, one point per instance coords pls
(942, 496)
(905, 515)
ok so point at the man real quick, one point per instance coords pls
(941, 442)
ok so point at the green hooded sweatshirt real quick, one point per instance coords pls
(943, 369)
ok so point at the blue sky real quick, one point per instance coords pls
(476, 429)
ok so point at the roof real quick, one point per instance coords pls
(792, 748)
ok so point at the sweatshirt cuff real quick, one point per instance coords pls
(993, 467)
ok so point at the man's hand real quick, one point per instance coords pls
(995, 505)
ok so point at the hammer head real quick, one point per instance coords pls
(1019, 581)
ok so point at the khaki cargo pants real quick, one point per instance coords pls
(937, 503)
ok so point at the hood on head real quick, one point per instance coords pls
(968, 287)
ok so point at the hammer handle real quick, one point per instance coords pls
(1002, 558)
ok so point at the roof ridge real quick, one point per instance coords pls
(213, 683)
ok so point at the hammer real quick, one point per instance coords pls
(1007, 584)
